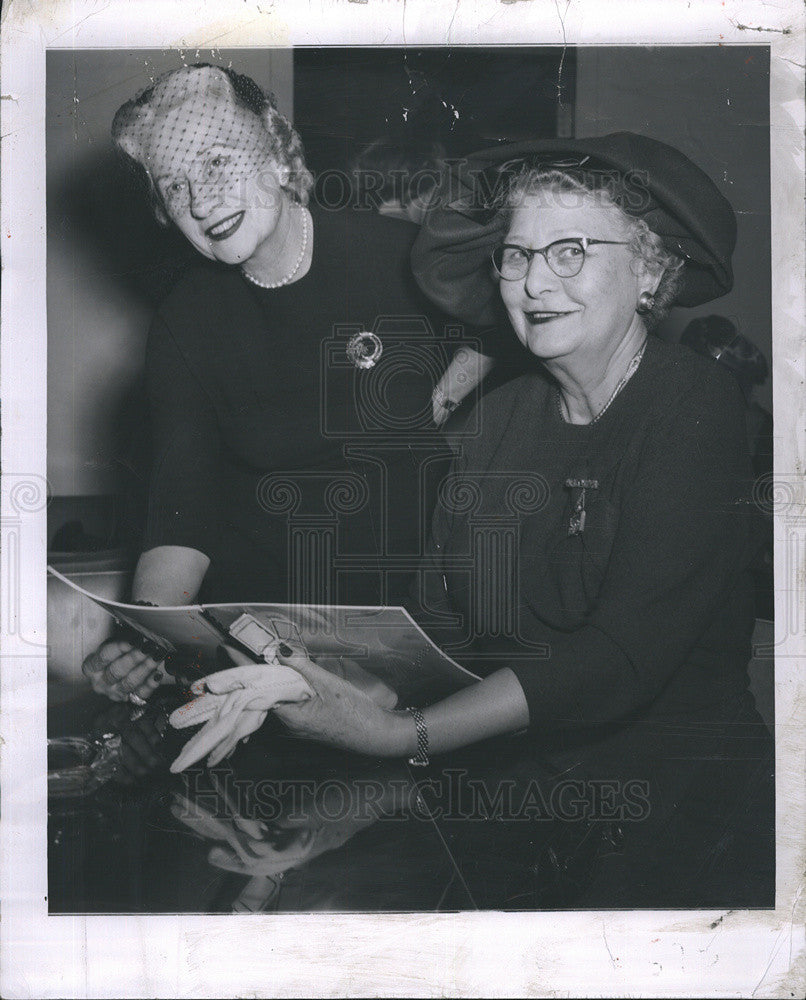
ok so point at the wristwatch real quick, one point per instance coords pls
(443, 401)
(420, 758)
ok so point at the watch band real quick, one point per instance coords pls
(420, 759)
(444, 401)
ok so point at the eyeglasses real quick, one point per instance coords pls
(564, 257)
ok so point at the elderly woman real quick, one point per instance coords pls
(290, 376)
(616, 627)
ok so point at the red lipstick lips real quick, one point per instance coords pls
(224, 228)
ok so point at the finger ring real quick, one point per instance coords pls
(135, 699)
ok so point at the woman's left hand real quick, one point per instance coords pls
(317, 705)
(341, 715)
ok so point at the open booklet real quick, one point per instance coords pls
(387, 642)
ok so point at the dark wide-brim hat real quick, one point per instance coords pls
(648, 179)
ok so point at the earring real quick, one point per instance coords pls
(646, 301)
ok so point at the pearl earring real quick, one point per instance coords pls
(646, 302)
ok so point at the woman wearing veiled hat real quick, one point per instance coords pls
(613, 481)
(290, 374)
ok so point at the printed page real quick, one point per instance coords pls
(387, 642)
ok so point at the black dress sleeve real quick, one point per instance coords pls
(428, 601)
(183, 500)
(685, 534)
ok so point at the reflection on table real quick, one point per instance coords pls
(287, 826)
(291, 826)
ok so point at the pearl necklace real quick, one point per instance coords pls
(625, 378)
(294, 269)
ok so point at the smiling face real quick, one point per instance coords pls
(584, 317)
(210, 161)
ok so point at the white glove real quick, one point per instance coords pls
(232, 704)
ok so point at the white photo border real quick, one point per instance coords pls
(675, 953)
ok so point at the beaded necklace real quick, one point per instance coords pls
(294, 269)
(625, 378)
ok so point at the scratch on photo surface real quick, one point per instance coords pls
(453, 18)
(749, 27)
(798, 968)
(715, 926)
(73, 27)
(565, 46)
(716, 923)
(614, 961)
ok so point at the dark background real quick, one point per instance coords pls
(109, 263)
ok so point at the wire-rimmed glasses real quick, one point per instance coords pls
(565, 257)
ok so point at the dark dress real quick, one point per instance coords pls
(631, 637)
(301, 476)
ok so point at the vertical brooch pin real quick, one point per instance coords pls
(579, 489)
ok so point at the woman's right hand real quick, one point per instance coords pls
(118, 669)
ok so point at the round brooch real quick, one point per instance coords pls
(364, 349)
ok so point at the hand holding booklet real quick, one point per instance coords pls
(384, 642)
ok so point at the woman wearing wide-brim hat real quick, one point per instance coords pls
(591, 549)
